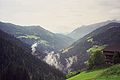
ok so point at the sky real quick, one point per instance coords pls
(58, 16)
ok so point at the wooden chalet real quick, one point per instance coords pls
(112, 54)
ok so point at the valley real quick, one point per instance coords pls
(29, 48)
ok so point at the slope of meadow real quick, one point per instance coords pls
(111, 73)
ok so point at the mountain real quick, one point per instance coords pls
(46, 45)
(76, 54)
(17, 62)
(43, 40)
(86, 29)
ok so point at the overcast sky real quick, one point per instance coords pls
(58, 15)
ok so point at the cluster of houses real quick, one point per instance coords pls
(112, 54)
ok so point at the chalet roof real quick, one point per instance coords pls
(115, 47)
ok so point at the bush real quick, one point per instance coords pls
(71, 74)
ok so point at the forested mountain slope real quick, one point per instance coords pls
(105, 35)
(17, 62)
(30, 34)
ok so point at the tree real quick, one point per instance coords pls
(96, 56)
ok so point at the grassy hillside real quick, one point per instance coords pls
(111, 73)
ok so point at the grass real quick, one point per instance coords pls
(111, 73)
(87, 75)
(30, 37)
(108, 78)
(37, 38)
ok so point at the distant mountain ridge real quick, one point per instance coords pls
(46, 40)
(86, 29)
(38, 32)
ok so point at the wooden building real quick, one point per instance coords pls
(112, 54)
